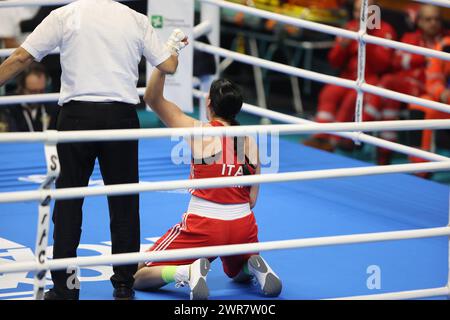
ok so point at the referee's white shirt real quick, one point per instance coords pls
(101, 44)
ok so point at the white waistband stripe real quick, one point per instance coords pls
(214, 210)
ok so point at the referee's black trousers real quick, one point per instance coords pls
(118, 162)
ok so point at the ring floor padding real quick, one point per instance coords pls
(292, 210)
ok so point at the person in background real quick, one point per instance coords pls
(30, 117)
(408, 76)
(437, 88)
(3, 121)
(11, 35)
(336, 103)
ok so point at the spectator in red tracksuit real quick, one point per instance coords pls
(337, 104)
(437, 88)
(408, 76)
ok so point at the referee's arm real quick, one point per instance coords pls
(15, 64)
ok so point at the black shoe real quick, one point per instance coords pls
(53, 295)
(123, 292)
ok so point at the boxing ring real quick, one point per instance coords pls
(346, 225)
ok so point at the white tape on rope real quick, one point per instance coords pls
(43, 229)
(361, 65)
(441, 3)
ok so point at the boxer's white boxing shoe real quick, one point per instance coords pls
(197, 279)
(269, 282)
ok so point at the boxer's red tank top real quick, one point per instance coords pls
(226, 164)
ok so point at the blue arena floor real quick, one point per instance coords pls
(284, 211)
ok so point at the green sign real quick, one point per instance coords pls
(157, 22)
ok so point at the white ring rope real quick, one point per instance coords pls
(263, 113)
(274, 66)
(315, 26)
(413, 294)
(311, 75)
(226, 250)
(201, 29)
(351, 135)
(271, 115)
(441, 3)
(38, 98)
(33, 3)
(54, 136)
(132, 188)
(69, 193)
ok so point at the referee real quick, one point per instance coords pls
(101, 43)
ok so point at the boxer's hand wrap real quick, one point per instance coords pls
(175, 42)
